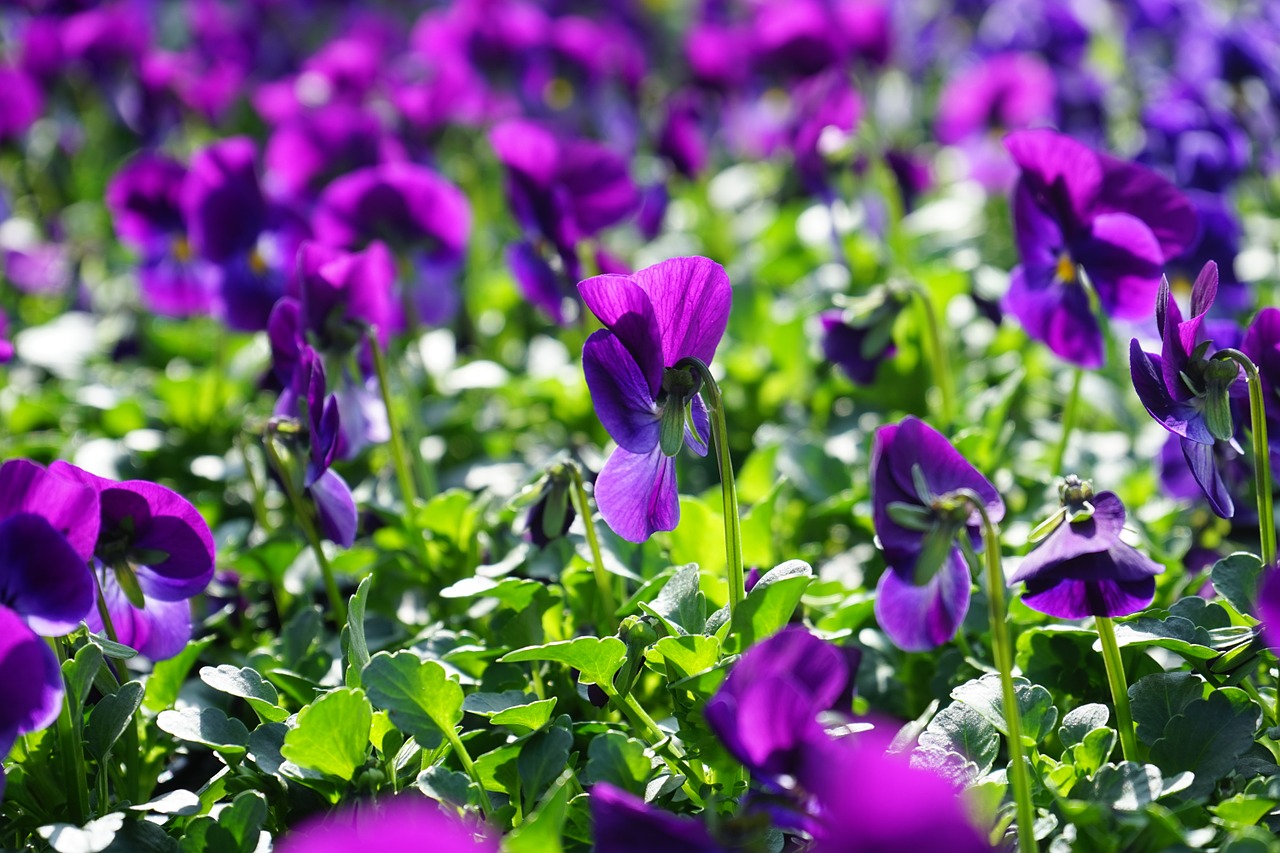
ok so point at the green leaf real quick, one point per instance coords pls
(1093, 750)
(421, 699)
(498, 769)
(358, 644)
(112, 649)
(596, 658)
(1078, 722)
(619, 760)
(543, 830)
(94, 837)
(699, 538)
(1175, 633)
(1236, 578)
(1242, 810)
(80, 672)
(543, 757)
(244, 818)
(523, 719)
(249, 685)
(331, 735)
(682, 657)
(1131, 787)
(1207, 737)
(444, 785)
(959, 730)
(1157, 698)
(681, 601)
(1035, 704)
(111, 717)
(758, 530)
(488, 704)
(167, 676)
(208, 727)
(770, 604)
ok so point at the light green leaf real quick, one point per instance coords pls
(249, 685)
(596, 658)
(542, 831)
(208, 727)
(421, 699)
(331, 735)
(523, 719)
(167, 676)
(358, 648)
(770, 604)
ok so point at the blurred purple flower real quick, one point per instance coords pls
(154, 552)
(419, 214)
(1262, 345)
(1218, 240)
(1269, 606)
(345, 293)
(766, 711)
(1083, 568)
(1185, 390)
(653, 319)
(624, 823)
(21, 103)
(824, 104)
(858, 350)
(539, 283)
(923, 595)
(38, 267)
(6, 346)
(307, 151)
(1198, 140)
(1075, 209)
(405, 823)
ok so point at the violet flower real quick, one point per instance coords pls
(1262, 345)
(1187, 392)
(624, 823)
(766, 711)
(668, 312)
(1083, 568)
(6, 346)
(21, 103)
(922, 597)
(154, 552)
(1076, 209)
(421, 216)
(405, 823)
(309, 150)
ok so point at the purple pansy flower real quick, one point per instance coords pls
(47, 527)
(1083, 568)
(1269, 606)
(307, 151)
(419, 214)
(21, 102)
(1262, 345)
(668, 312)
(154, 552)
(624, 823)
(6, 346)
(406, 823)
(1185, 390)
(1075, 209)
(766, 711)
(923, 595)
(857, 347)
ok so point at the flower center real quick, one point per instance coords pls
(1066, 271)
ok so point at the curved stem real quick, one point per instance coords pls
(408, 490)
(1261, 454)
(1119, 687)
(1002, 650)
(1069, 414)
(603, 582)
(659, 740)
(937, 355)
(728, 490)
(460, 750)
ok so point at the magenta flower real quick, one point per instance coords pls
(624, 823)
(674, 310)
(1076, 209)
(915, 473)
(6, 346)
(154, 552)
(1083, 568)
(1186, 391)
(406, 823)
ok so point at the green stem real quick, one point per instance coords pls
(1069, 415)
(1261, 454)
(659, 740)
(408, 491)
(302, 512)
(937, 355)
(1119, 687)
(460, 749)
(104, 613)
(604, 583)
(1002, 650)
(728, 490)
(71, 745)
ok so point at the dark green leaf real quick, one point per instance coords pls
(1207, 737)
(543, 757)
(681, 601)
(1158, 698)
(1236, 578)
(208, 727)
(111, 716)
(619, 760)
(1034, 703)
(960, 730)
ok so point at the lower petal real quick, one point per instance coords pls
(159, 630)
(919, 618)
(32, 679)
(637, 495)
(1073, 598)
(335, 507)
(1057, 314)
(1204, 467)
(41, 576)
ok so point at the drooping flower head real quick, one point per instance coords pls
(653, 320)
(153, 553)
(1083, 568)
(1076, 209)
(766, 711)
(917, 479)
(47, 528)
(1187, 391)
(405, 823)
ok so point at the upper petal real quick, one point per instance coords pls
(42, 579)
(57, 494)
(1064, 175)
(691, 298)
(1136, 190)
(626, 310)
(1180, 418)
(1124, 262)
(619, 393)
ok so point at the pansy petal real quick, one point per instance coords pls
(916, 444)
(1200, 458)
(158, 631)
(619, 393)
(165, 523)
(1056, 313)
(57, 494)
(636, 493)
(624, 309)
(1124, 263)
(335, 507)
(1063, 173)
(919, 618)
(698, 438)
(1071, 598)
(764, 722)
(41, 577)
(1181, 419)
(33, 682)
(1137, 190)
(690, 299)
(1070, 540)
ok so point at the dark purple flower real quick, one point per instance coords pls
(306, 152)
(1075, 209)
(624, 823)
(1269, 606)
(825, 103)
(869, 800)
(766, 711)
(1185, 390)
(1262, 345)
(652, 320)
(915, 472)
(539, 283)
(858, 349)
(6, 346)
(1218, 240)
(1200, 142)
(154, 552)
(406, 823)
(415, 211)
(21, 102)
(345, 293)
(1083, 568)
(683, 137)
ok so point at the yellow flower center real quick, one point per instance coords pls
(182, 249)
(1066, 269)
